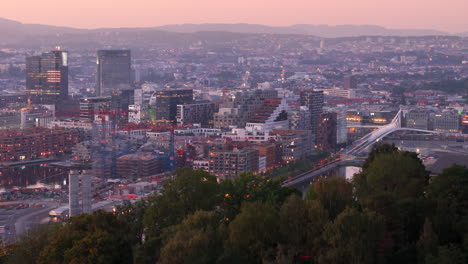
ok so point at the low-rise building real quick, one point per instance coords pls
(418, 119)
(228, 164)
(447, 121)
(36, 142)
(196, 113)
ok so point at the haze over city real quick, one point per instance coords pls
(447, 15)
(233, 131)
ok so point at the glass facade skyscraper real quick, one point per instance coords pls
(47, 77)
(113, 71)
(165, 107)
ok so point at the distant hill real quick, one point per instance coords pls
(29, 35)
(324, 31)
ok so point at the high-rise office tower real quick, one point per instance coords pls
(314, 100)
(113, 71)
(165, 108)
(47, 77)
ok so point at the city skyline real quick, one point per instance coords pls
(399, 14)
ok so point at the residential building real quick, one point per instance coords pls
(196, 113)
(228, 164)
(33, 143)
(267, 150)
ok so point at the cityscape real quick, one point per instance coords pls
(233, 143)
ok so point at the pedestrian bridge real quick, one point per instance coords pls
(307, 176)
(377, 135)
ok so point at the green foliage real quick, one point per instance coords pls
(388, 213)
(96, 238)
(447, 86)
(449, 194)
(301, 225)
(391, 173)
(448, 255)
(248, 187)
(198, 239)
(31, 243)
(354, 238)
(186, 193)
(334, 194)
(392, 184)
(181, 196)
(427, 243)
(377, 150)
(254, 232)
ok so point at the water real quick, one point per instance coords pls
(31, 176)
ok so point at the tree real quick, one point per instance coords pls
(452, 254)
(334, 194)
(354, 238)
(427, 243)
(397, 174)
(31, 243)
(248, 187)
(132, 214)
(90, 238)
(376, 150)
(198, 239)
(301, 225)
(392, 183)
(189, 191)
(253, 234)
(449, 195)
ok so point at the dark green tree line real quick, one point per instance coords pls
(391, 212)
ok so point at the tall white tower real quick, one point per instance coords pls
(86, 192)
(74, 192)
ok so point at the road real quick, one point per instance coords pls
(16, 221)
(31, 219)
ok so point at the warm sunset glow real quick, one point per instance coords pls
(449, 15)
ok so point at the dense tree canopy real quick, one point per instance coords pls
(389, 213)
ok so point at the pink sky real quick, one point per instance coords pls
(448, 15)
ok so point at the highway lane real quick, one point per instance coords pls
(31, 219)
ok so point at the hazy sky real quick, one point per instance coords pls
(448, 15)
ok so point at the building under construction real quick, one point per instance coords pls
(138, 165)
